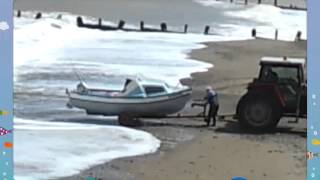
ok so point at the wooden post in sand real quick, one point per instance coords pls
(231, 1)
(100, 22)
(38, 15)
(206, 30)
(121, 24)
(163, 27)
(275, 3)
(141, 25)
(59, 16)
(298, 36)
(276, 35)
(254, 33)
(186, 28)
(246, 2)
(259, 1)
(79, 21)
(19, 13)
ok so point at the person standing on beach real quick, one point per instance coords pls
(212, 100)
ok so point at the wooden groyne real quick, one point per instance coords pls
(298, 36)
(292, 7)
(275, 3)
(121, 26)
(163, 27)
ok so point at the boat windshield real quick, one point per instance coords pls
(131, 88)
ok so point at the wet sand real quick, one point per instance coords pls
(190, 150)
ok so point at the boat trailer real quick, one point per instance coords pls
(202, 115)
(126, 120)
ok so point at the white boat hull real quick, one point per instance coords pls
(137, 107)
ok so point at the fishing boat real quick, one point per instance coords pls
(138, 98)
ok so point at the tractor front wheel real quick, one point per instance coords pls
(258, 113)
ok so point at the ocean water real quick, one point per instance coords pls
(48, 52)
(43, 152)
(266, 19)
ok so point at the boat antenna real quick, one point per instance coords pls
(78, 76)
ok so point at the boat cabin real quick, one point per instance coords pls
(132, 88)
(142, 88)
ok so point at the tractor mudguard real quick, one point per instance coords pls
(267, 89)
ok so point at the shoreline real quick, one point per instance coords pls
(187, 158)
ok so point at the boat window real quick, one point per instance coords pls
(153, 89)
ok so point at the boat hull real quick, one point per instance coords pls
(136, 107)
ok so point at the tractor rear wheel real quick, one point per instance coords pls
(258, 112)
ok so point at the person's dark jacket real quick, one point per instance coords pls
(212, 98)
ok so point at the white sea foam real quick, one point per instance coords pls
(50, 150)
(39, 46)
(288, 22)
(265, 18)
(220, 4)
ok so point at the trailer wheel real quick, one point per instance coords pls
(258, 112)
(125, 120)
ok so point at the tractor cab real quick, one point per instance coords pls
(280, 90)
(289, 76)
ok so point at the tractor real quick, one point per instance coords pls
(279, 91)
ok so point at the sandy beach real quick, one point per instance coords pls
(190, 150)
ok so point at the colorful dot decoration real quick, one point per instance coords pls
(4, 131)
(3, 113)
(314, 98)
(314, 140)
(311, 155)
(313, 172)
(5, 148)
(8, 145)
